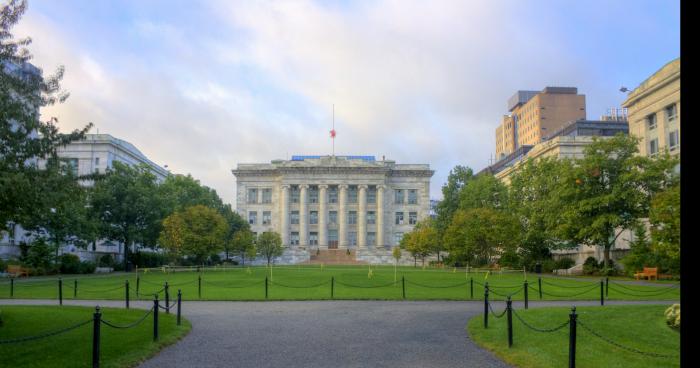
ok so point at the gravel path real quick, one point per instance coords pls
(326, 333)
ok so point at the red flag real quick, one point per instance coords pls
(332, 133)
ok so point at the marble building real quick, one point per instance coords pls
(334, 202)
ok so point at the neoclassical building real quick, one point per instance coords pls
(334, 202)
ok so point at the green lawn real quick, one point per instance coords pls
(314, 282)
(641, 327)
(118, 348)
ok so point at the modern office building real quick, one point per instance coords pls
(334, 202)
(534, 115)
(654, 109)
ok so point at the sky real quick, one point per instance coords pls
(203, 86)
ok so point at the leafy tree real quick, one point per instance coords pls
(236, 224)
(244, 244)
(269, 245)
(458, 178)
(640, 254)
(478, 235)
(195, 232)
(421, 242)
(396, 253)
(608, 190)
(128, 205)
(484, 191)
(182, 191)
(25, 140)
(665, 220)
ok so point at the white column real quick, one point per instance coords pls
(303, 215)
(322, 216)
(380, 216)
(284, 214)
(342, 216)
(362, 217)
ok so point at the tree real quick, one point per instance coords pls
(396, 253)
(456, 180)
(236, 224)
(421, 242)
(196, 231)
(478, 235)
(609, 190)
(665, 221)
(25, 140)
(180, 191)
(269, 245)
(128, 205)
(484, 191)
(243, 243)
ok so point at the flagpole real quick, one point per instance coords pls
(333, 130)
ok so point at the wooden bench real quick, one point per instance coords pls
(17, 271)
(648, 273)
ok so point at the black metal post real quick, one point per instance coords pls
(509, 309)
(265, 287)
(12, 287)
(332, 285)
(75, 289)
(96, 322)
(526, 298)
(403, 286)
(471, 288)
(486, 305)
(126, 293)
(167, 299)
(155, 317)
(60, 291)
(539, 286)
(607, 283)
(602, 298)
(179, 305)
(572, 338)
(199, 286)
(138, 282)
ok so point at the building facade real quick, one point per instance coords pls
(334, 202)
(654, 109)
(535, 115)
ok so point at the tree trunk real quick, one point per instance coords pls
(606, 256)
(126, 255)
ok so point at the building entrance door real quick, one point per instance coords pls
(333, 239)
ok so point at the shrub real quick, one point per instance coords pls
(511, 260)
(87, 267)
(548, 265)
(590, 266)
(610, 271)
(215, 259)
(673, 316)
(106, 261)
(564, 263)
(147, 259)
(70, 263)
(38, 257)
(3, 265)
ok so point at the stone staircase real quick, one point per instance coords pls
(333, 256)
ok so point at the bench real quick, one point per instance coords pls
(648, 273)
(17, 271)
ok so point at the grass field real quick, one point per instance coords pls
(641, 327)
(316, 282)
(118, 348)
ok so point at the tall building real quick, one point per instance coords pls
(654, 110)
(97, 152)
(334, 202)
(535, 114)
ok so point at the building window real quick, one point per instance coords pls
(653, 146)
(372, 194)
(97, 161)
(252, 196)
(399, 218)
(412, 218)
(313, 194)
(352, 238)
(252, 217)
(397, 238)
(333, 217)
(333, 194)
(352, 217)
(294, 238)
(412, 196)
(313, 217)
(295, 194)
(371, 238)
(313, 238)
(673, 140)
(332, 238)
(294, 218)
(671, 112)
(651, 121)
(371, 218)
(398, 196)
(73, 165)
(267, 195)
(267, 218)
(352, 194)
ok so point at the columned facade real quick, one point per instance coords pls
(329, 202)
